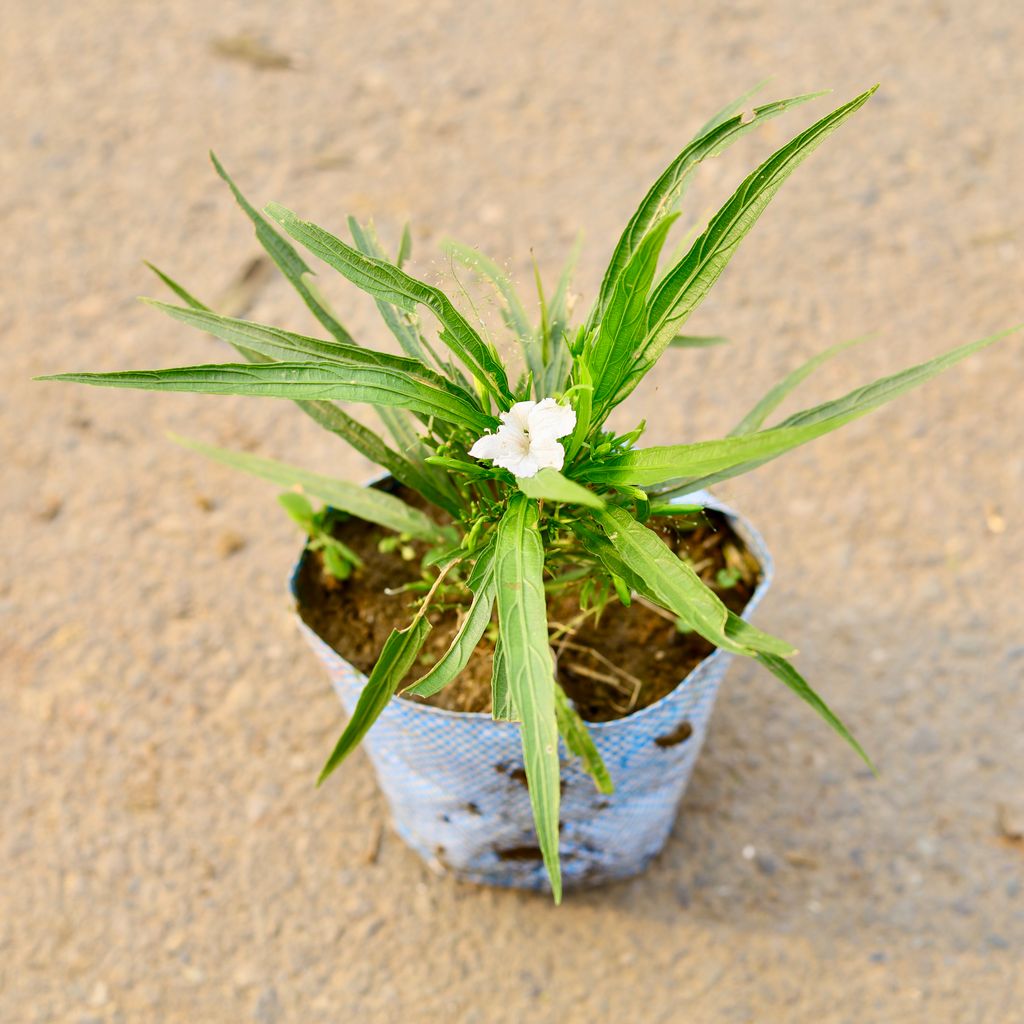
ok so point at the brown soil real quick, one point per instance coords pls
(633, 657)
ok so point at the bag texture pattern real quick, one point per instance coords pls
(455, 782)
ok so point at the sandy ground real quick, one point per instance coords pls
(163, 854)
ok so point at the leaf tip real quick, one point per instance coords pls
(184, 442)
(280, 213)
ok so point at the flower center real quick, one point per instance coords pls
(522, 443)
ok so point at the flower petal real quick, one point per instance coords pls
(490, 446)
(549, 420)
(518, 417)
(547, 454)
(519, 464)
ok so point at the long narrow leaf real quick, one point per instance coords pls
(559, 310)
(748, 637)
(558, 363)
(624, 321)
(275, 344)
(697, 341)
(405, 329)
(375, 385)
(522, 621)
(472, 628)
(288, 261)
(369, 444)
(339, 423)
(299, 275)
(715, 137)
(513, 312)
(502, 708)
(397, 657)
(683, 288)
(784, 671)
(385, 281)
(710, 461)
(775, 397)
(369, 503)
(286, 346)
(405, 332)
(187, 297)
(673, 582)
(731, 109)
(579, 741)
(645, 467)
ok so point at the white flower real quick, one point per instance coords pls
(527, 440)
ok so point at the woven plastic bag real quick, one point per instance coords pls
(456, 785)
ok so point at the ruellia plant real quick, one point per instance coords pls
(525, 490)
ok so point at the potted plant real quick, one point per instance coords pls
(533, 609)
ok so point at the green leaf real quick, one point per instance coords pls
(774, 398)
(646, 467)
(404, 247)
(675, 508)
(179, 290)
(281, 345)
(583, 401)
(668, 594)
(300, 276)
(624, 321)
(683, 287)
(369, 503)
(367, 443)
(658, 576)
(331, 418)
(273, 344)
(385, 281)
(558, 312)
(522, 621)
(299, 509)
(404, 331)
(663, 195)
(697, 341)
(396, 659)
(579, 741)
(731, 109)
(288, 261)
(336, 563)
(751, 637)
(502, 708)
(469, 633)
(376, 385)
(557, 357)
(557, 370)
(710, 461)
(652, 567)
(513, 311)
(551, 485)
(474, 470)
(870, 396)
(784, 671)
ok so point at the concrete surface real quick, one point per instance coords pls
(164, 854)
